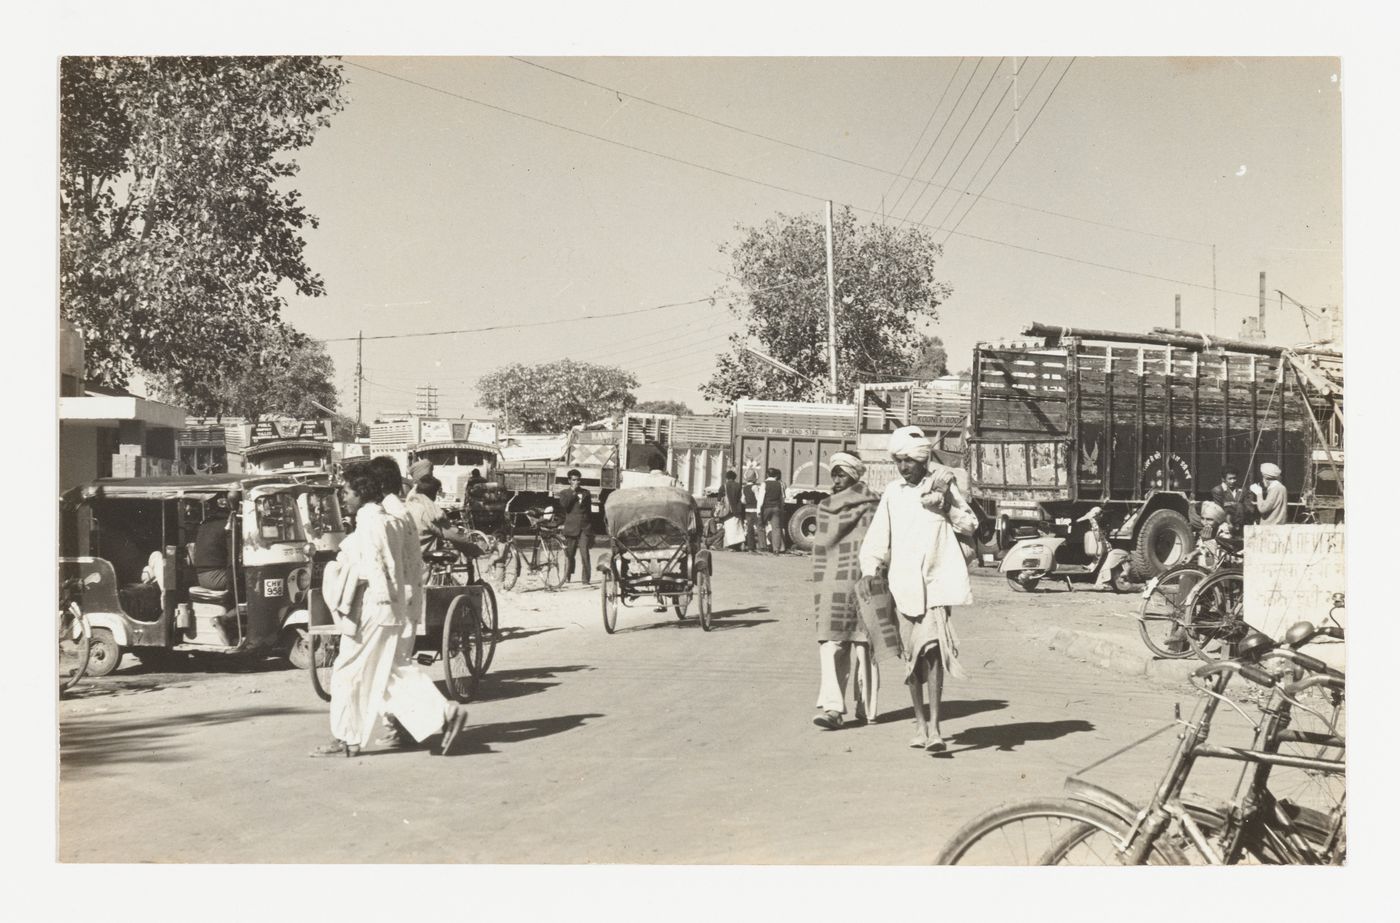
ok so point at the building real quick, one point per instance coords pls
(108, 432)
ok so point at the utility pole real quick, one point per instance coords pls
(830, 302)
(1214, 313)
(1178, 312)
(359, 381)
(1261, 306)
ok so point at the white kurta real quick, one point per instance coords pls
(926, 564)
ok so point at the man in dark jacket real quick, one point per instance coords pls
(1231, 496)
(576, 504)
(771, 510)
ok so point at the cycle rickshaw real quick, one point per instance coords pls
(458, 625)
(656, 551)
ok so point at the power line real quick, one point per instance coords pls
(952, 176)
(910, 156)
(1034, 118)
(954, 143)
(932, 147)
(756, 182)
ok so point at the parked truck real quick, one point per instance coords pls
(1067, 419)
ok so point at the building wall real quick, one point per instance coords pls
(78, 453)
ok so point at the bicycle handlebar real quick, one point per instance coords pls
(1335, 683)
(1307, 662)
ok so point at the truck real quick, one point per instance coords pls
(286, 444)
(1066, 419)
(454, 445)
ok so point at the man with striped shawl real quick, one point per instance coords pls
(842, 520)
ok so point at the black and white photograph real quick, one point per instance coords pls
(558, 454)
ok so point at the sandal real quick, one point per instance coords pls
(335, 748)
(919, 742)
(830, 720)
(936, 745)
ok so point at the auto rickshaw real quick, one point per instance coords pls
(130, 544)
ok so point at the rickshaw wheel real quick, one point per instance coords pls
(702, 593)
(323, 650)
(461, 647)
(682, 604)
(509, 568)
(610, 602)
(490, 630)
(104, 654)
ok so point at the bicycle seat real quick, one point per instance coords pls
(440, 557)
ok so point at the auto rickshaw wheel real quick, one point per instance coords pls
(104, 654)
(323, 650)
(296, 646)
(461, 647)
(610, 592)
(702, 595)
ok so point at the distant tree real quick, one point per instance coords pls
(676, 407)
(284, 372)
(885, 292)
(553, 396)
(177, 230)
(932, 361)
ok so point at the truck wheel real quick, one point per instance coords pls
(1163, 540)
(802, 526)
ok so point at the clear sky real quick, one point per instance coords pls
(438, 213)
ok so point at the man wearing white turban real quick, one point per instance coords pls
(911, 535)
(1273, 506)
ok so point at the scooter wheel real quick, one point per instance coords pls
(1023, 581)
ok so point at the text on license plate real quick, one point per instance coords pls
(274, 587)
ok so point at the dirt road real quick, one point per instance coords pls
(659, 744)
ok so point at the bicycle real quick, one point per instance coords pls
(74, 636)
(1094, 826)
(1162, 616)
(546, 555)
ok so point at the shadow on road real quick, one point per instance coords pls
(97, 740)
(515, 634)
(513, 684)
(477, 739)
(1008, 737)
(692, 622)
(725, 613)
(949, 710)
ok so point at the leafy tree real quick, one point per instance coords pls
(676, 407)
(283, 372)
(176, 229)
(885, 292)
(932, 361)
(553, 396)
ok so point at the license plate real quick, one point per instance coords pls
(274, 587)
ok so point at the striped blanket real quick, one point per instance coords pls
(842, 520)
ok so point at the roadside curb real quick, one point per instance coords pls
(1111, 653)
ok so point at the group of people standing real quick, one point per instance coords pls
(751, 508)
(888, 570)
(374, 590)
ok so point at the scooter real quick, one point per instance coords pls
(1050, 557)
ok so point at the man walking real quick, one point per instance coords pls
(576, 503)
(771, 510)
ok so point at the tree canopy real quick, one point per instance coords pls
(678, 408)
(886, 294)
(283, 372)
(177, 231)
(932, 361)
(553, 396)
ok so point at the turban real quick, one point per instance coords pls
(1212, 511)
(1270, 470)
(846, 460)
(909, 442)
(419, 468)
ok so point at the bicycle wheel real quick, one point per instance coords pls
(1159, 619)
(507, 569)
(490, 629)
(702, 597)
(1049, 831)
(324, 648)
(1214, 615)
(74, 642)
(461, 648)
(553, 564)
(610, 601)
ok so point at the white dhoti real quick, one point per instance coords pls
(360, 681)
(733, 531)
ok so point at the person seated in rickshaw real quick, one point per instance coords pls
(211, 558)
(435, 531)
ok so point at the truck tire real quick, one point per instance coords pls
(1163, 540)
(802, 526)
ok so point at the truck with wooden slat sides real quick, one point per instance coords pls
(1067, 419)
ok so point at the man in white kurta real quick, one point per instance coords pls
(911, 538)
